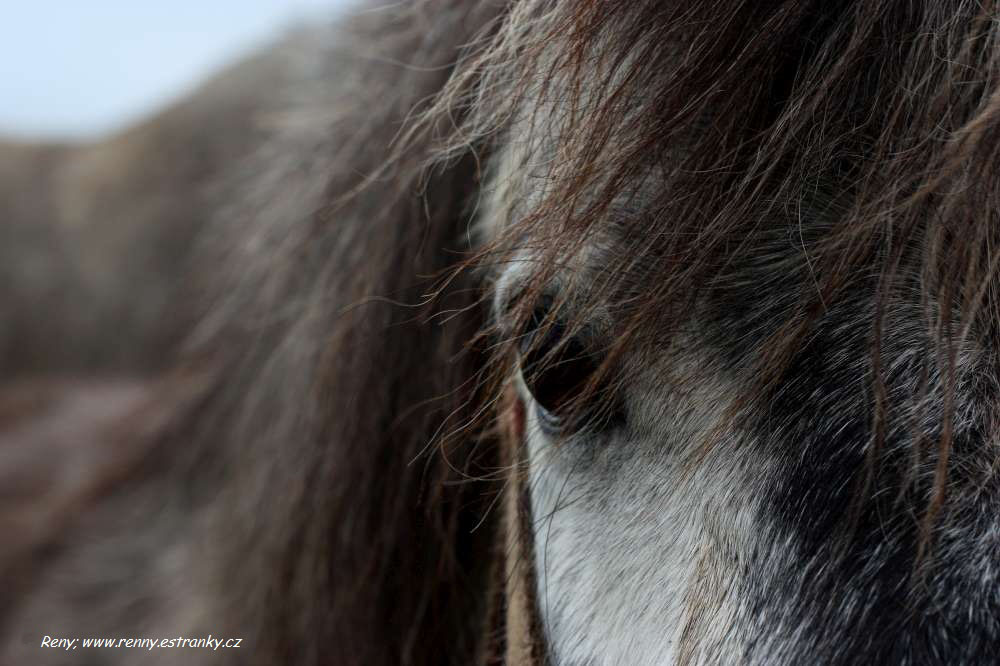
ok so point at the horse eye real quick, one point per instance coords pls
(556, 369)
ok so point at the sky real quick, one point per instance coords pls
(83, 68)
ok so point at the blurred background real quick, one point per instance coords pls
(78, 69)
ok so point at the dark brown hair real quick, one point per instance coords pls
(870, 126)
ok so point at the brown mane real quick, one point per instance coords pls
(322, 388)
(877, 121)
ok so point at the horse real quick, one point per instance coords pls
(525, 332)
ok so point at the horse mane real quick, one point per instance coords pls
(342, 360)
(710, 135)
(332, 350)
(294, 481)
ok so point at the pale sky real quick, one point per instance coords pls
(81, 68)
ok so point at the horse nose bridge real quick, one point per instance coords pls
(888, 589)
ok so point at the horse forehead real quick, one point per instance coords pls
(572, 281)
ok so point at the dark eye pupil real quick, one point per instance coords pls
(556, 368)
